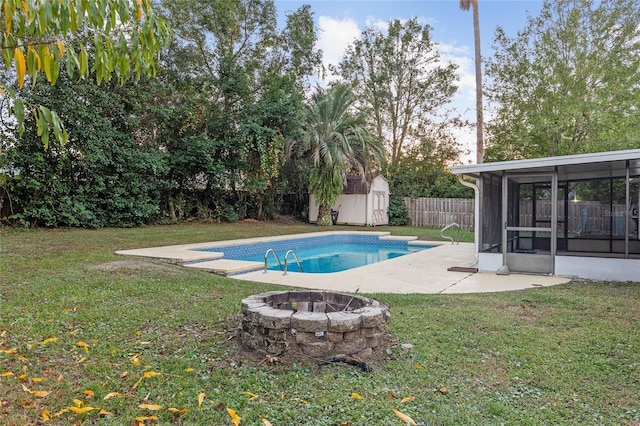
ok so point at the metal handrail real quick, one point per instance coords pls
(451, 225)
(266, 255)
(295, 256)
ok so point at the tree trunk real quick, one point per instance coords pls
(324, 216)
(479, 112)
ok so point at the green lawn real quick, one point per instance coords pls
(78, 331)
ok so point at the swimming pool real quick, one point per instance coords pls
(323, 254)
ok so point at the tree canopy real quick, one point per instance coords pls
(400, 83)
(47, 36)
(568, 83)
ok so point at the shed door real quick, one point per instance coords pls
(530, 222)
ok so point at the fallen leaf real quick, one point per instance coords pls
(391, 395)
(356, 395)
(304, 401)
(88, 393)
(104, 412)
(419, 367)
(46, 415)
(176, 411)
(148, 374)
(188, 370)
(152, 407)
(61, 412)
(407, 399)
(38, 379)
(9, 351)
(125, 374)
(28, 404)
(444, 390)
(282, 397)
(49, 340)
(82, 410)
(145, 418)
(26, 389)
(78, 402)
(266, 422)
(404, 418)
(200, 399)
(111, 395)
(135, 385)
(252, 395)
(40, 394)
(7, 374)
(83, 345)
(235, 419)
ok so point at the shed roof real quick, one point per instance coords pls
(582, 166)
(356, 185)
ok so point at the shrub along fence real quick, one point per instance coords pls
(440, 212)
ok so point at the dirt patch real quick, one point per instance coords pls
(136, 265)
(523, 312)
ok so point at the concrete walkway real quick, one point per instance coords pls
(421, 272)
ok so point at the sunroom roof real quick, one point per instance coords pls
(582, 166)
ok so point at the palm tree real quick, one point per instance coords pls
(465, 5)
(337, 143)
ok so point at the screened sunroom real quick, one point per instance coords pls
(573, 215)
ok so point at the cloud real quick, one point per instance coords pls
(334, 37)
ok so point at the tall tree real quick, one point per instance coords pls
(337, 142)
(247, 79)
(568, 83)
(400, 83)
(465, 5)
(40, 36)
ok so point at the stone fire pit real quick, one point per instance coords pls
(313, 323)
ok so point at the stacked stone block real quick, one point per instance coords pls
(313, 323)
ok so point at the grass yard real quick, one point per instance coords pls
(86, 340)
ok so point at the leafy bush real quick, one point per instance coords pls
(102, 176)
(398, 212)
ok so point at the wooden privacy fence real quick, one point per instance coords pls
(583, 217)
(440, 212)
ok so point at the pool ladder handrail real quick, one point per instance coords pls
(286, 256)
(295, 256)
(445, 237)
(266, 255)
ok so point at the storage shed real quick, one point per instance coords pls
(574, 215)
(361, 202)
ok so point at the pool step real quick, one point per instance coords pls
(226, 266)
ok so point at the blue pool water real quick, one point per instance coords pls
(323, 254)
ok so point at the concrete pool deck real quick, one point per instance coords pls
(421, 272)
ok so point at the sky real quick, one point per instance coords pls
(341, 22)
